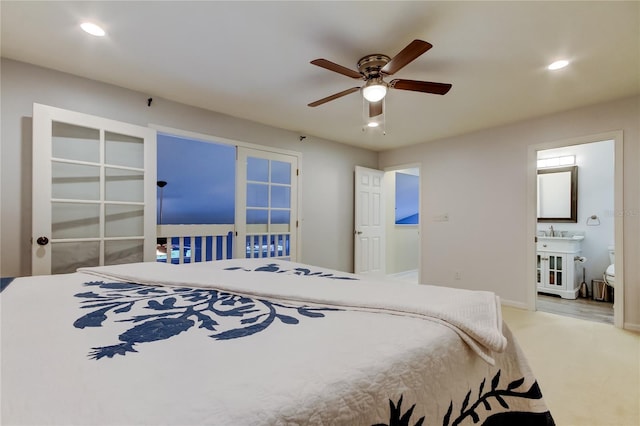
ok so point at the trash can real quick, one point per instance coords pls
(601, 291)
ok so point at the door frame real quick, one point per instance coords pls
(394, 169)
(532, 156)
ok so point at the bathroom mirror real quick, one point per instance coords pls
(558, 194)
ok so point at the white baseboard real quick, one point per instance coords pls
(402, 273)
(631, 327)
(408, 276)
(514, 304)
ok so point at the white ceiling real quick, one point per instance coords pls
(251, 59)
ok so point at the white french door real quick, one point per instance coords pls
(369, 233)
(94, 191)
(266, 204)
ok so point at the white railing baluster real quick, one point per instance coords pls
(257, 245)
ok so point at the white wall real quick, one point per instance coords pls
(480, 181)
(327, 167)
(595, 163)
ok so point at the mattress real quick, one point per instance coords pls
(256, 342)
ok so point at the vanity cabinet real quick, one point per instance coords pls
(556, 267)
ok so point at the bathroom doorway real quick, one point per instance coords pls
(575, 249)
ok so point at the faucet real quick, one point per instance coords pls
(551, 231)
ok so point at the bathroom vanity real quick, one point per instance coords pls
(556, 265)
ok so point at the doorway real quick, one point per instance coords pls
(596, 229)
(224, 199)
(402, 223)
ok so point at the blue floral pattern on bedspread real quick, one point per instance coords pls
(170, 311)
(274, 267)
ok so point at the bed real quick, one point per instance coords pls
(256, 342)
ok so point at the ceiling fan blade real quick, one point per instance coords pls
(421, 86)
(334, 96)
(332, 66)
(408, 54)
(375, 108)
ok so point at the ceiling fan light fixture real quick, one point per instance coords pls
(374, 90)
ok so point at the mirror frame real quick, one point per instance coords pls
(574, 194)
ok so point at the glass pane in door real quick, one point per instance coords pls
(257, 169)
(72, 142)
(66, 257)
(280, 217)
(257, 195)
(75, 220)
(124, 220)
(280, 172)
(124, 185)
(75, 181)
(123, 150)
(280, 196)
(123, 251)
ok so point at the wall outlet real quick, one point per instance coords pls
(441, 217)
(457, 275)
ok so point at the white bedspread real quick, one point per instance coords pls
(474, 315)
(245, 346)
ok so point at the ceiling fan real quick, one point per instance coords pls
(373, 68)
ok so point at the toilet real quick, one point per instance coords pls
(609, 275)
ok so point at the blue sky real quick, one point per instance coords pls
(200, 180)
(200, 186)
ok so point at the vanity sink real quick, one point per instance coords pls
(562, 244)
(572, 238)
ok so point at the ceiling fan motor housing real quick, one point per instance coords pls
(369, 66)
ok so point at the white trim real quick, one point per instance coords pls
(217, 139)
(618, 202)
(402, 275)
(420, 225)
(514, 304)
(529, 279)
(632, 327)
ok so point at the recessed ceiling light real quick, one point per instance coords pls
(92, 29)
(558, 64)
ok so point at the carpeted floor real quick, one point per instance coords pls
(589, 372)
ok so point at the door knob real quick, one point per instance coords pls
(42, 241)
(358, 232)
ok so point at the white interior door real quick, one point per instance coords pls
(94, 191)
(266, 204)
(369, 243)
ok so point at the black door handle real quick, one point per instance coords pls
(42, 241)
